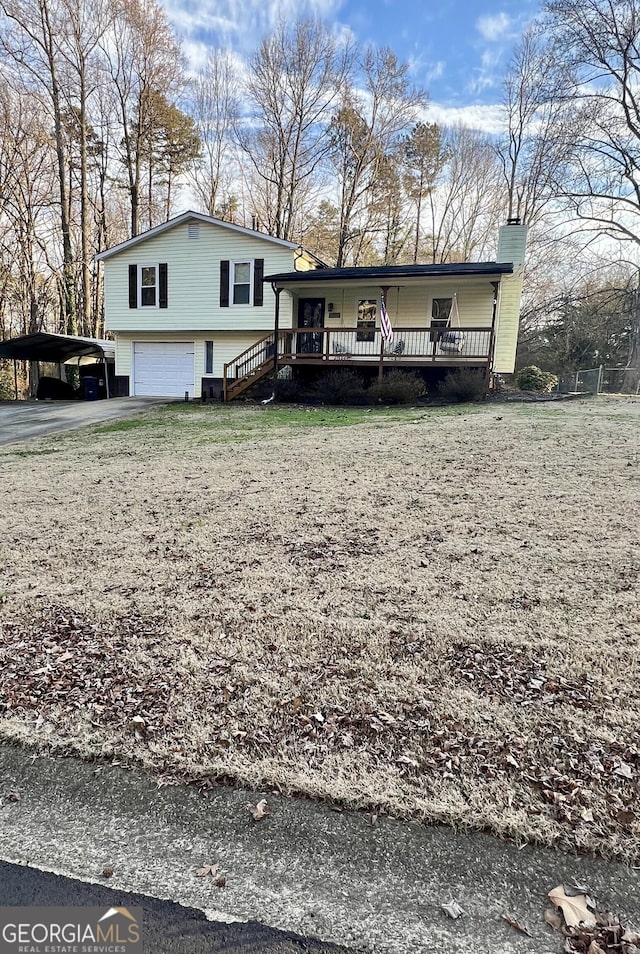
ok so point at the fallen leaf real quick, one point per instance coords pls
(626, 816)
(553, 919)
(575, 909)
(453, 909)
(212, 870)
(259, 811)
(516, 925)
(14, 797)
(595, 948)
(631, 937)
(107, 872)
(221, 881)
(624, 770)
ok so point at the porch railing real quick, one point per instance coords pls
(438, 345)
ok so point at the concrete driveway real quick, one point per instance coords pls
(21, 420)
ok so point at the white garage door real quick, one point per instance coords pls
(163, 368)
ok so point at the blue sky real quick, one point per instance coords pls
(458, 49)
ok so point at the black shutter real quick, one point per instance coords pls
(258, 272)
(163, 296)
(133, 286)
(224, 283)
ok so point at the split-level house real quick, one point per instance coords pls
(204, 307)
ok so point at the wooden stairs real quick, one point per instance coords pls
(248, 368)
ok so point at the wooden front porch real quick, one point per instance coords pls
(353, 347)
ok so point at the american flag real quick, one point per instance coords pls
(385, 325)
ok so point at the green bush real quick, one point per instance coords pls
(463, 385)
(397, 387)
(534, 379)
(340, 387)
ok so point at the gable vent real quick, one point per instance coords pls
(194, 230)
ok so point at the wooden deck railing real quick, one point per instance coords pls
(410, 346)
(424, 345)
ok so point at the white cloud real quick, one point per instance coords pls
(239, 24)
(487, 119)
(494, 26)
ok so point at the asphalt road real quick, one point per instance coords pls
(168, 928)
(21, 420)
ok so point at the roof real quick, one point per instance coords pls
(49, 347)
(391, 273)
(185, 217)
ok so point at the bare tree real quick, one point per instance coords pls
(143, 58)
(215, 109)
(599, 40)
(467, 202)
(367, 128)
(534, 149)
(30, 34)
(296, 76)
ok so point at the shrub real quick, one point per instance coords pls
(340, 387)
(534, 379)
(288, 390)
(463, 385)
(397, 387)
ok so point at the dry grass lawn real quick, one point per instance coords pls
(433, 613)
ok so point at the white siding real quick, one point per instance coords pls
(193, 279)
(408, 306)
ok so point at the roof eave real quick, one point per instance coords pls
(179, 220)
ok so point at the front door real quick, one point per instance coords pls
(310, 315)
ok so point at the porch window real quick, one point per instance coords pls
(241, 280)
(366, 321)
(208, 357)
(440, 315)
(148, 286)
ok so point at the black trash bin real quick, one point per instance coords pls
(90, 389)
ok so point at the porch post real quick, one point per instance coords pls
(492, 336)
(384, 289)
(276, 335)
(106, 375)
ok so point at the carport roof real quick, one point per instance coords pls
(49, 347)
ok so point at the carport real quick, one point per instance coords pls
(58, 349)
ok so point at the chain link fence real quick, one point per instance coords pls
(594, 381)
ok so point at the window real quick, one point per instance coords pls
(440, 314)
(208, 357)
(148, 286)
(366, 323)
(241, 280)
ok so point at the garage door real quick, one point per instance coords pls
(163, 368)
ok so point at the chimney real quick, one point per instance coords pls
(512, 242)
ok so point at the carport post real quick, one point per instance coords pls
(15, 376)
(106, 375)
